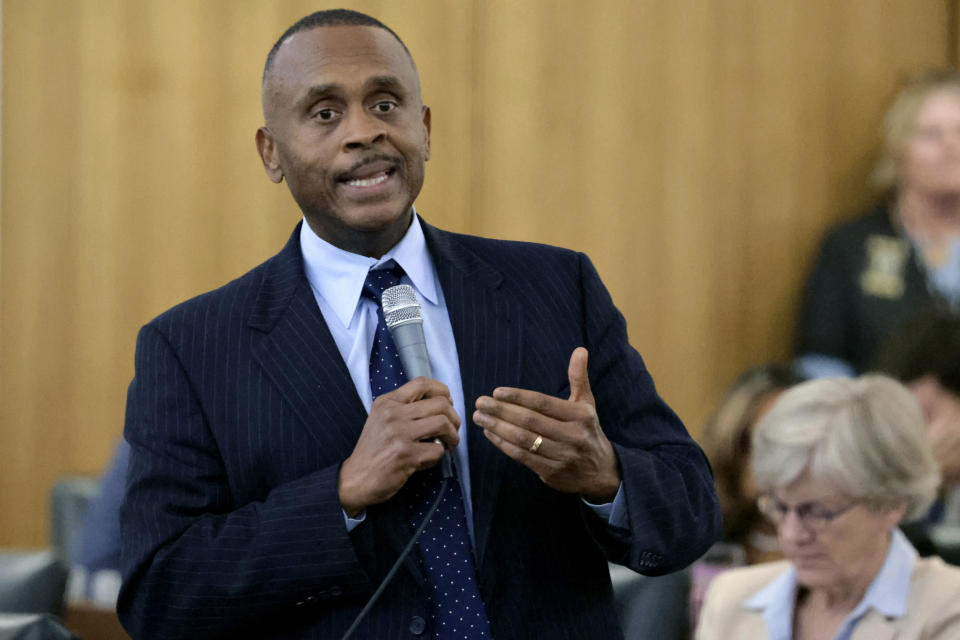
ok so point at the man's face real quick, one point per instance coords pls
(346, 128)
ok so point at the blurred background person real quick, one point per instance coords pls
(874, 272)
(726, 441)
(925, 355)
(95, 565)
(840, 463)
(748, 537)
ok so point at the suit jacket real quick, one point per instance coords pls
(242, 409)
(933, 606)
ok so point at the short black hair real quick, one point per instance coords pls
(927, 344)
(328, 18)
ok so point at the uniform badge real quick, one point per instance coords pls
(883, 275)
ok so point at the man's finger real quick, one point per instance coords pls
(537, 463)
(520, 436)
(541, 403)
(579, 378)
(417, 389)
(545, 418)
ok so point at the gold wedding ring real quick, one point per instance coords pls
(536, 444)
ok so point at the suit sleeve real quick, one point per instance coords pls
(672, 506)
(195, 564)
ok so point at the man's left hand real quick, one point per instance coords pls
(559, 440)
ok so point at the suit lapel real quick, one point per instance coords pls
(298, 353)
(875, 626)
(486, 328)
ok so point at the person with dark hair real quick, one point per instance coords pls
(282, 462)
(726, 439)
(924, 353)
(875, 271)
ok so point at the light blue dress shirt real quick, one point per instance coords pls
(887, 594)
(336, 278)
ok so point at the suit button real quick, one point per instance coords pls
(300, 604)
(311, 599)
(336, 591)
(417, 625)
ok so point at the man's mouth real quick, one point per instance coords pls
(371, 181)
(369, 174)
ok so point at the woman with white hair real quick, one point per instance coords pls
(840, 462)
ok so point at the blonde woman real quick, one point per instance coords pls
(874, 272)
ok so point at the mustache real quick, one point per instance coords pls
(362, 162)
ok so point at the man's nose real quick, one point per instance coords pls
(362, 130)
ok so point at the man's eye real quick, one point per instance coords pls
(385, 106)
(325, 115)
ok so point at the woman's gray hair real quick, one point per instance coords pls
(866, 435)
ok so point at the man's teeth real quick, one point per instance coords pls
(368, 182)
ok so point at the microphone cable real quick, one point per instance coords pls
(447, 472)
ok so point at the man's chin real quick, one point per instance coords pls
(365, 230)
(374, 219)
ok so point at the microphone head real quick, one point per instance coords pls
(400, 306)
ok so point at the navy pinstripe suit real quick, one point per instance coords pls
(242, 409)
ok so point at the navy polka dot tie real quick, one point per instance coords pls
(456, 609)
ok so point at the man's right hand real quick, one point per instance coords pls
(396, 441)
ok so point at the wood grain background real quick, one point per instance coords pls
(695, 150)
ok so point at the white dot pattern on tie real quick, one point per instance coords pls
(458, 611)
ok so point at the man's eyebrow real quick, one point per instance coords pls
(319, 91)
(326, 90)
(384, 83)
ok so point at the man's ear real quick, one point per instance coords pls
(268, 155)
(426, 128)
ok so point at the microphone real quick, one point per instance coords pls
(401, 312)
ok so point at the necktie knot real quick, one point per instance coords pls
(379, 280)
(386, 369)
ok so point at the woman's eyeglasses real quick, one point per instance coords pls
(813, 516)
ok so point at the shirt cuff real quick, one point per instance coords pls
(614, 513)
(817, 365)
(352, 523)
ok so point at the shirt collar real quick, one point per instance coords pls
(887, 593)
(338, 276)
(776, 601)
(889, 590)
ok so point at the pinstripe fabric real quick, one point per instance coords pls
(241, 411)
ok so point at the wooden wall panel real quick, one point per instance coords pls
(696, 151)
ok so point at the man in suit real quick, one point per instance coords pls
(270, 476)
